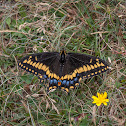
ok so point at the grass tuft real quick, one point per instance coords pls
(91, 27)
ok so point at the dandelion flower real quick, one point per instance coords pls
(100, 99)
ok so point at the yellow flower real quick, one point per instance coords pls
(100, 99)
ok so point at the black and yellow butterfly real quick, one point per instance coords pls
(63, 70)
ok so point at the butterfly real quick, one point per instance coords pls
(63, 70)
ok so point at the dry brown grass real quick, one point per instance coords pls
(93, 27)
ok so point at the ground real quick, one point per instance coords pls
(82, 26)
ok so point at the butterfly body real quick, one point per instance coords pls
(63, 70)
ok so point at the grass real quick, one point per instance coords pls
(92, 27)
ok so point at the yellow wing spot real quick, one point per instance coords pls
(95, 66)
(55, 76)
(102, 69)
(97, 60)
(40, 76)
(54, 87)
(29, 69)
(32, 71)
(65, 77)
(47, 72)
(44, 68)
(89, 75)
(80, 79)
(102, 64)
(52, 75)
(98, 64)
(24, 66)
(77, 84)
(19, 63)
(88, 68)
(73, 75)
(85, 76)
(61, 78)
(71, 87)
(90, 60)
(96, 72)
(85, 68)
(39, 67)
(31, 62)
(75, 71)
(92, 67)
(25, 61)
(99, 71)
(66, 89)
(105, 68)
(62, 87)
(92, 73)
(50, 88)
(35, 72)
(42, 80)
(34, 64)
(30, 57)
(80, 70)
(68, 77)
(49, 75)
(36, 58)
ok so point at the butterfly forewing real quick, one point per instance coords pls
(39, 63)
